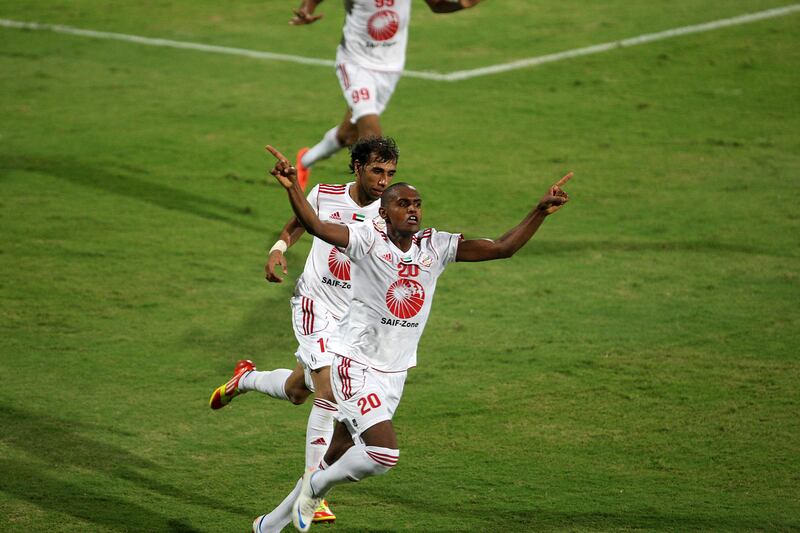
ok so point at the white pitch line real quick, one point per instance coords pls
(435, 76)
(633, 41)
(149, 41)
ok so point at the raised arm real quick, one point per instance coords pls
(516, 237)
(305, 13)
(291, 232)
(448, 6)
(286, 174)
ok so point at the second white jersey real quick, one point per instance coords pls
(326, 276)
(392, 295)
(375, 34)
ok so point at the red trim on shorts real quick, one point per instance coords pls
(345, 77)
(344, 375)
(308, 315)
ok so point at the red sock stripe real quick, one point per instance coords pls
(325, 404)
(383, 459)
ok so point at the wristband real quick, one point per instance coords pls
(280, 245)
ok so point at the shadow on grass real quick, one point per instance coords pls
(59, 443)
(487, 517)
(117, 182)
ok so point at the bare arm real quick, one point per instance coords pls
(516, 237)
(290, 234)
(448, 6)
(305, 13)
(286, 174)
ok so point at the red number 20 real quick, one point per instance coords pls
(373, 400)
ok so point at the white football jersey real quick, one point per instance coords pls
(375, 34)
(326, 276)
(392, 295)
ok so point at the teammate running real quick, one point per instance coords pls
(394, 268)
(369, 62)
(321, 297)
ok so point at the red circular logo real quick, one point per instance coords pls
(339, 264)
(405, 298)
(383, 25)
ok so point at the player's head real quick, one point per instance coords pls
(401, 208)
(374, 162)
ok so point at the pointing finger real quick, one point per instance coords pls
(565, 179)
(279, 156)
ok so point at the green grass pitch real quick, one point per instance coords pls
(634, 368)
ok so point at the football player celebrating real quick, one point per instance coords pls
(394, 268)
(369, 62)
(321, 297)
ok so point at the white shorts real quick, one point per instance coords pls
(365, 396)
(366, 91)
(313, 325)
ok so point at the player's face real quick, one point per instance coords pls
(404, 211)
(375, 176)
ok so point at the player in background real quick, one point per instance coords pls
(394, 266)
(369, 62)
(321, 297)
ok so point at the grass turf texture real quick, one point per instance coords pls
(634, 368)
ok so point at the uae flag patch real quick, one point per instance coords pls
(358, 217)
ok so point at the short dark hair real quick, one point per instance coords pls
(383, 148)
(389, 192)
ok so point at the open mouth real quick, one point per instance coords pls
(412, 219)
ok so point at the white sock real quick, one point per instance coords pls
(270, 383)
(281, 516)
(328, 146)
(357, 463)
(319, 431)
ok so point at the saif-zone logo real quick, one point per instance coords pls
(339, 264)
(405, 298)
(383, 25)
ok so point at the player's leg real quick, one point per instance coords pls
(367, 119)
(367, 401)
(279, 517)
(360, 93)
(282, 383)
(369, 126)
(319, 430)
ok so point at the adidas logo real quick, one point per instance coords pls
(336, 216)
(319, 442)
(388, 256)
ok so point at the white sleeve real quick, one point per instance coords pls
(313, 199)
(362, 237)
(446, 245)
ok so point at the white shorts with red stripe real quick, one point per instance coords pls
(365, 396)
(366, 91)
(313, 325)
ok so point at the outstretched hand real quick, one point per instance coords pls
(283, 170)
(555, 197)
(302, 16)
